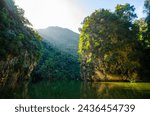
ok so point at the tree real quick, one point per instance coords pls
(126, 12)
(146, 35)
(147, 10)
(108, 45)
(19, 46)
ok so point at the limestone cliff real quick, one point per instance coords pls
(19, 45)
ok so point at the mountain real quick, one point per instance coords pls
(59, 60)
(61, 38)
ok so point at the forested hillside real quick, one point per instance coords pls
(62, 39)
(19, 46)
(59, 60)
(115, 46)
(22, 52)
(56, 65)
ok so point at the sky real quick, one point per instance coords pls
(68, 13)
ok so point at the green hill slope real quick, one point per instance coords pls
(61, 38)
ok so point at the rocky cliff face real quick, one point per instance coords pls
(19, 46)
(12, 71)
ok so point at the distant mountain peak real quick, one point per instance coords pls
(62, 38)
(58, 28)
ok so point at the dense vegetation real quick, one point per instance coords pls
(114, 46)
(59, 60)
(62, 39)
(21, 49)
(56, 65)
(19, 45)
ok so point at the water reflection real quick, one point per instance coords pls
(116, 90)
(18, 92)
(78, 90)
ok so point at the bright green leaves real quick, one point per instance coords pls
(107, 42)
(37, 36)
(20, 36)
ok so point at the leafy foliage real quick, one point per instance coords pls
(59, 59)
(15, 35)
(61, 38)
(55, 65)
(110, 45)
(19, 44)
(126, 12)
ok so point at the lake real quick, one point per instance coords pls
(81, 90)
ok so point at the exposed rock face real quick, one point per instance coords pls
(11, 72)
(19, 46)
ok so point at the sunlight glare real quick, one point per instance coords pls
(44, 13)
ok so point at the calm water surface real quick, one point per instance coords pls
(81, 90)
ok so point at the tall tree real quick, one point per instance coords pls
(144, 25)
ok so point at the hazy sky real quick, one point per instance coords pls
(68, 13)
